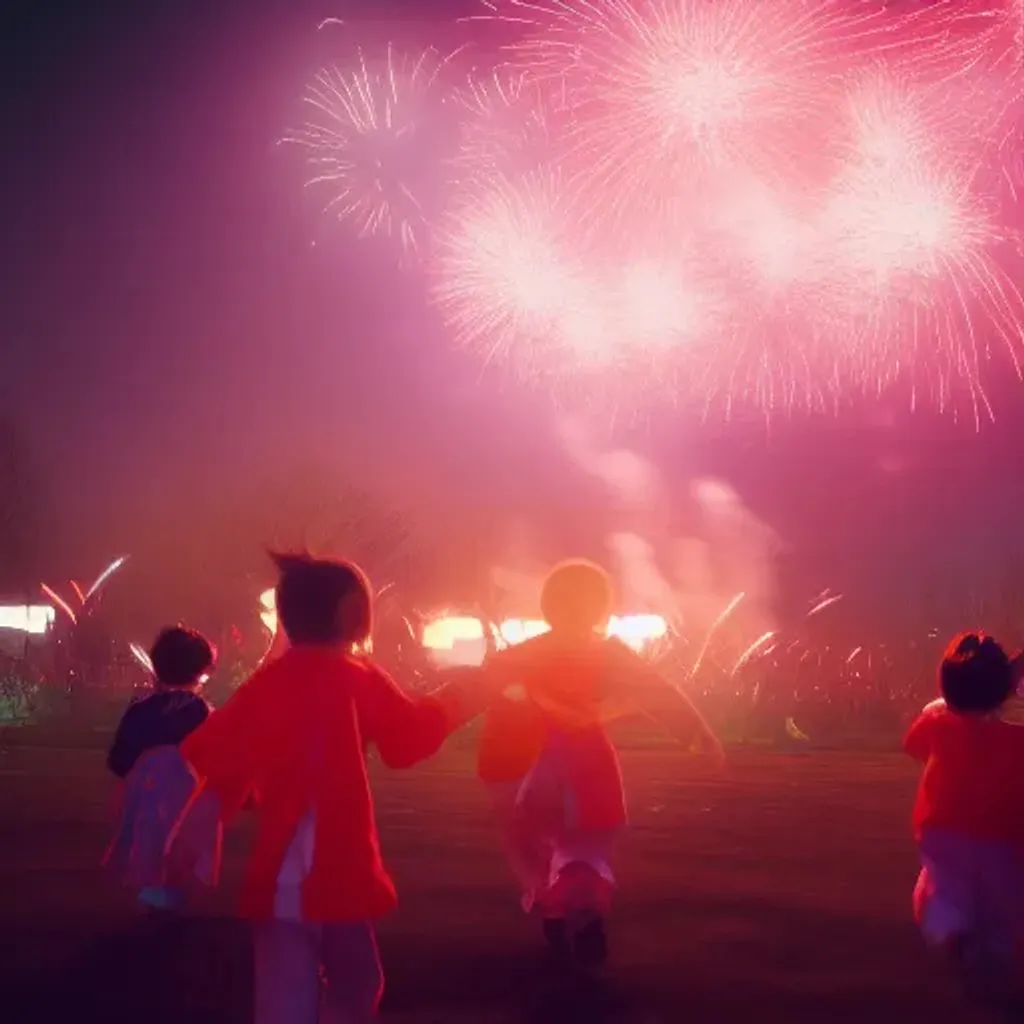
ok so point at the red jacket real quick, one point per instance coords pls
(572, 689)
(296, 733)
(973, 779)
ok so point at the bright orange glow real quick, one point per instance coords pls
(460, 637)
(268, 611)
(449, 634)
(35, 619)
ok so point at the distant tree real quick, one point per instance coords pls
(20, 525)
(325, 518)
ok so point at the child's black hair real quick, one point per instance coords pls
(323, 601)
(576, 596)
(181, 657)
(976, 675)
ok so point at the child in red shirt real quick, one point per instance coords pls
(551, 766)
(969, 815)
(296, 734)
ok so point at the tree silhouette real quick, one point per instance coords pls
(19, 513)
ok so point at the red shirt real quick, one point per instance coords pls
(571, 687)
(973, 780)
(296, 733)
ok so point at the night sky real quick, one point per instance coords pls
(176, 349)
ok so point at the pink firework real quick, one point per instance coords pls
(509, 126)
(666, 94)
(510, 279)
(916, 243)
(780, 351)
(369, 144)
(1003, 73)
(524, 277)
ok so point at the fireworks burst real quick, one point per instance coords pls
(84, 600)
(509, 283)
(508, 126)
(668, 92)
(367, 140)
(776, 202)
(914, 244)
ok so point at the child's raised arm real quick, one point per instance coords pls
(664, 703)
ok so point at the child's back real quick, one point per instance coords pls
(551, 765)
(296, 733)
(566, 691)
(162, 719)
(973, 778)
(158, 784)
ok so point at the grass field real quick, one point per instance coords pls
(778, 891)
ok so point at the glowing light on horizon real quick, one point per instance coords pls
(445, 633)
(34, 619)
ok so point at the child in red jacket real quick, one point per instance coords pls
(296, 734)
(551, 766)
(156, 781)
(969, 815)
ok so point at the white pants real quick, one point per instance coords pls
(291, 958)
(970, 888)
(559, 869)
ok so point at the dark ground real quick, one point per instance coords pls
(778, 891)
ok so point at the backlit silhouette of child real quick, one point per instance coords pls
(157, 781)
(296, 732)
(547, 757)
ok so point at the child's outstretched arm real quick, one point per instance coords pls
(664, 703)
(223, 751)
(407, 730)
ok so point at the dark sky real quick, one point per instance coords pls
(174, 345)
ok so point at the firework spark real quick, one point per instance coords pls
(139, 654)
(508, 125)
(915, 272)
(757, 648)
(367, 141)
(824, 602)
(84, 601)
(508, 280)
(103, 577)
(665, 92)
(722, 616)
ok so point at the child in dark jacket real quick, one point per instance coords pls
(157, 782)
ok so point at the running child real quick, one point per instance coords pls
(551, 766)
(157, 782)
(969, 816)
(297, 732)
